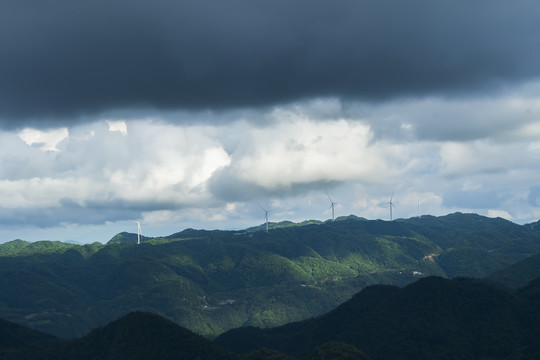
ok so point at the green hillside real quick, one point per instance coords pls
(213, 281)
(433, 318)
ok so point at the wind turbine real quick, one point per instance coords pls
(390, 204)
(139, 231)
(265, 215)
(332, 203)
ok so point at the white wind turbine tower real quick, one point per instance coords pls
(265, 215)
(332, 203)
(390, 204)
(139, 231)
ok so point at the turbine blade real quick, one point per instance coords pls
(263, 209)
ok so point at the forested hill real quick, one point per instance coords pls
(433, 318)
(212, 281)
(520, 273)
(143, 336)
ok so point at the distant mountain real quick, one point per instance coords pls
(433, 318)
(73, 242)
(534, 226)
(213, 281)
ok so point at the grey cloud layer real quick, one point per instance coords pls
(66, 59)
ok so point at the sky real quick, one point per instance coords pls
(200, 114)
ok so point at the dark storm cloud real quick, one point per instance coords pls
(64, 59)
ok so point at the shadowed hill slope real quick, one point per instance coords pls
(19, 342)
(520, 273)
(142, 336)
(433, 318)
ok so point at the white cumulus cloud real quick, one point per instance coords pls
(47, 140)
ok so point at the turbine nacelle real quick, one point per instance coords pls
(265, 215)
(332, 203)
(391, 204)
